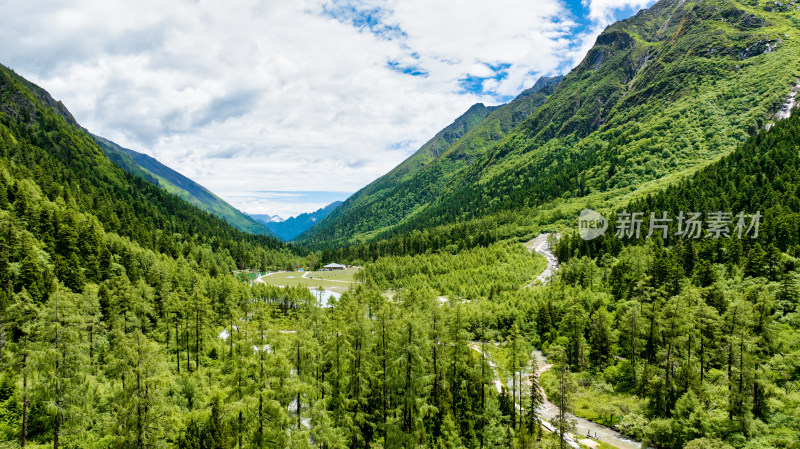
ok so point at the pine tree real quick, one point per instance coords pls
(411, 383)
(239, 379)
(137, 363)
(563, 396)
(59, 360)
(789, 293)
(216, 433)
(361, 365)
(192, 436)
(270, 416)
(600, 338)
(519, 358)
(439, 387)
(198, 308)
(458, 375)
(19, 322)
(739, 364)
(535, 401)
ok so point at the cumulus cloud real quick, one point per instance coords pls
(308, 95)
(603, 11)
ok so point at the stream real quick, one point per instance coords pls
(549, 411)
(541, 244)
(584, 427)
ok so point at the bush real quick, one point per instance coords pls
(707, 443)
(632, 425)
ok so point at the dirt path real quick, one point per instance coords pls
(583, 427)
(541, 245)
(259, 279)
(549, 411)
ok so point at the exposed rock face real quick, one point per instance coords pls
(786, 108)
(791, 103)
(760, 47)
(597, 59)
(744, 20)
(782, 6)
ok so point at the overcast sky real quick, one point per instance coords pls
(281, 107)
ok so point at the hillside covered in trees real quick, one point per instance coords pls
(155, 172)
(661, 93)
(680, 344)
(123, 325)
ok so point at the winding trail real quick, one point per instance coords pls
(549, 411)
(582, 426)
(541, 244)
(259, 279)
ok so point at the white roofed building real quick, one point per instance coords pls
(334, 267)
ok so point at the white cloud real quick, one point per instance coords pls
(251, 95)
(602, 11)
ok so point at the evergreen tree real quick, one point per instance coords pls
(535, 401)
(19, 322)
(563, 396)
(59, 359)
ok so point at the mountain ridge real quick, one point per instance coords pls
(455, 147)
(62, 182)
(155, 172)
(671, 88)
(266, 218)
(291, 227)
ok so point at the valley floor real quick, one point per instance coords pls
(336, 281)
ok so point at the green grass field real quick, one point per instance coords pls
(337, 281)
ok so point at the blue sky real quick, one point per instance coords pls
(254, 97)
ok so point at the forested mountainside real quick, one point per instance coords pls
(665, 91)
(155, 172)
(698, 335)
(293, 226)
(397, 195)
(52, 160)
(83, 245)
(122, 325)
(763, 176)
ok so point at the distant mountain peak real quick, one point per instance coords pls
(291, 227)
(267, 218)
(541, 84)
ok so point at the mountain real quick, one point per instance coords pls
(658, 95)
(427, 173)
(122, 325)
(762, 176)
(93, 261)
(292, 227)
(264, 218)
(79, 218)
(155, 172)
